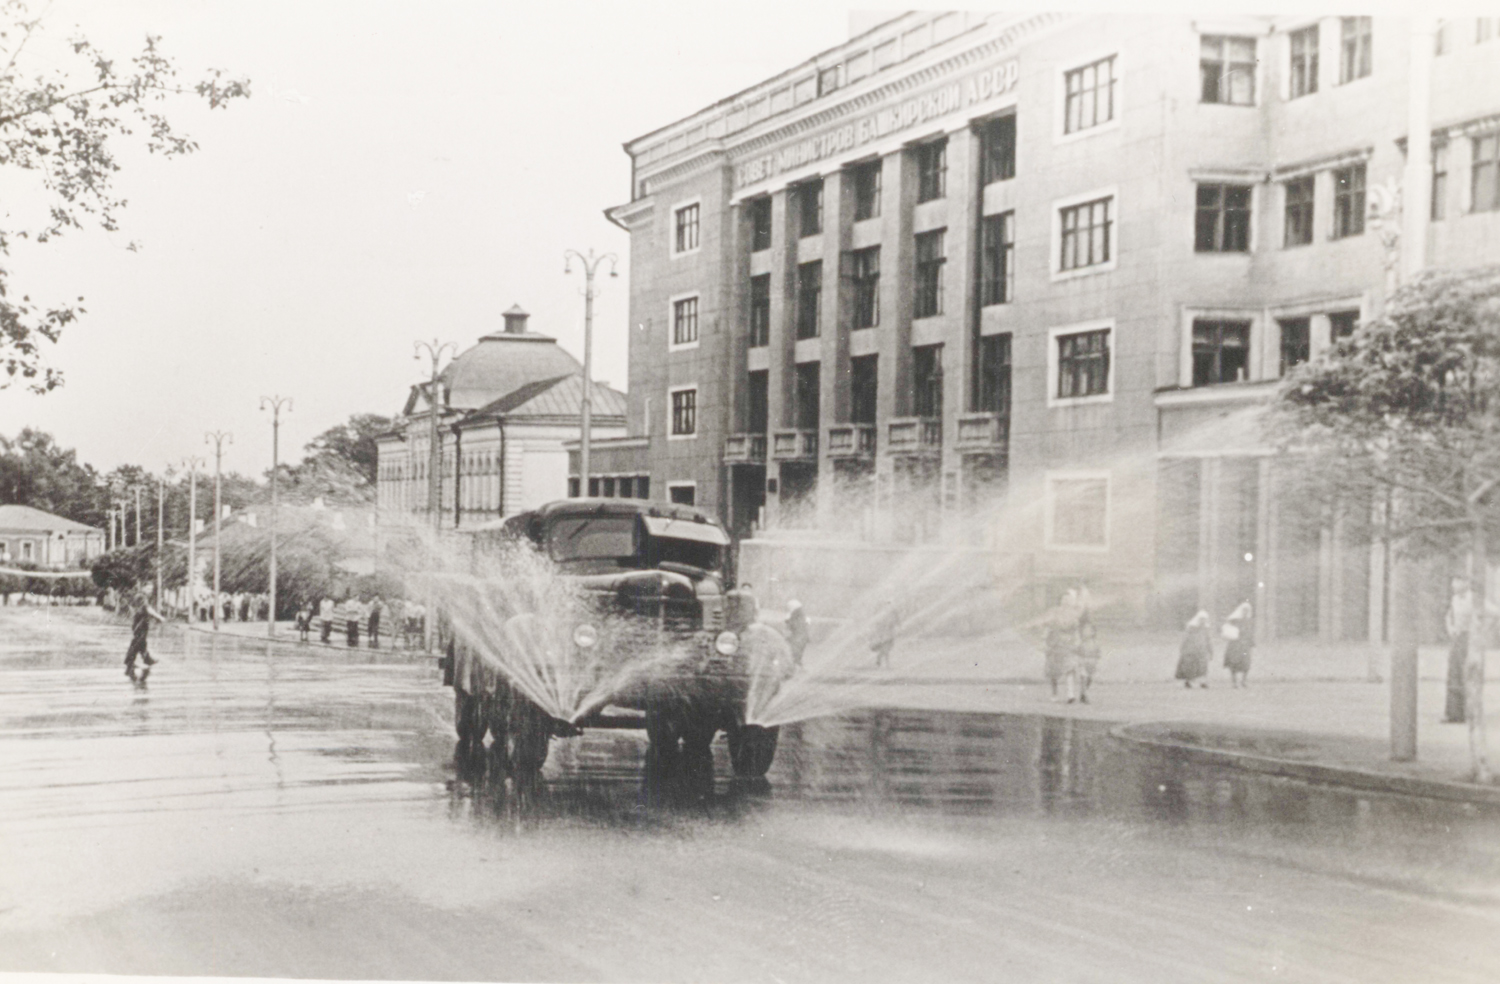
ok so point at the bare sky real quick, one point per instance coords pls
(403, 171)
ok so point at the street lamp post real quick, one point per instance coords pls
(192, 461)
(137, 515)
(275, 403)
(434, 350)
(218, 438)
(161, 513)
(590, 264)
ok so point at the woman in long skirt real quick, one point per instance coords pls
(1197, 649)
(1239, 629)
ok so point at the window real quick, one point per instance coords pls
(810, 207)
(863, 388)
(758, 399)
(1089, 98)
(864, 273)
(685, 238)
(685, 321)
(1354, 49)
(683, 493)
(26, 549)
(1304, 67)
(1083, 364)
(997, 149)
(760, 224)
(932, 170)
(806, 395)
(867, 191)
(760, 310)
(927, 380)
(1298, 225)
(997, 274)
(1486, 175)
(684, 412)
(573, 486)
(1439, 181)
(1341, 324)
(1077, 511)
(809, 298)
(1348, 201)
(1296, 342)
(1223, 223)
(1221, 352)
(1085, 234)
(607, 486)
(929, 286)
(1227, 69)
(993, 389)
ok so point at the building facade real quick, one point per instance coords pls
(1025, 281)
(506, 408)
(31, 535)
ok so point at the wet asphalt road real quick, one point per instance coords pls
(301, 814)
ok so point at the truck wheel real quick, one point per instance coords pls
(752, 749)
(468, 716)
(527, 737)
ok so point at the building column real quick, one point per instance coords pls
(833, 367)
(781, 347)
(898, 193)
(1265, 546)
(1208, 537)
(961, 290)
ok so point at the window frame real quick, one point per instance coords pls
(997, 258)
(1312, 69)
(758, 206)
(1490, 166)
(927, 391)
(864, 388)
(671, 401)
(986, 385)
(1356, 49)
(923, 269)
(673, 229)
(1221, 230)
(1226, 69)
(1350, 222)
(1281, 341)
(991, 169)
(1438, 206)
(1050, 480)
(800, 406)
(1310, 204)
(860, 182)
(759, 336)
(1061, 205)
(1220, 321)
(673, 345)
(689, 484)
(800, 325)
(809, 196)
(1054, 363)
(864, 288)
(1061, 131)
(932, 178)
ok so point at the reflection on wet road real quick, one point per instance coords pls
(301, 813)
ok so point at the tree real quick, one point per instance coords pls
(351, 444)
(57, 126)
(1406, 412)
(36, 472)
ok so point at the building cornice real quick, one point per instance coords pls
(1321, 163)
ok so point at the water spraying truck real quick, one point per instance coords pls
(607, 613)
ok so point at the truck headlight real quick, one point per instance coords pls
(585, 636)
(727, 643)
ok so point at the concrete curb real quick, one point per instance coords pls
(1346, 776)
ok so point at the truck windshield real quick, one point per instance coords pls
(592, 538)
(665, 548)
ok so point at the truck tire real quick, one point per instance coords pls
(752, 748)
(468, 716)
(527, 737)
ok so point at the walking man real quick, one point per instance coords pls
(1460, 613)
(374, 622)
(140, 625)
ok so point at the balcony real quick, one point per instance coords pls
(745, 449)
(794, 445)
(983, 432)
(851, 441)
(915, 436)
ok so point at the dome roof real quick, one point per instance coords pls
(503, 362)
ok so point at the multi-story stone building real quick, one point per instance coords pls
(506, 409)
(1058, 262)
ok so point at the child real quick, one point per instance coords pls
(1196, 651)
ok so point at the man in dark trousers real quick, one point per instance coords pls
(140, 624)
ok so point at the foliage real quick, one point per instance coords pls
(351, 444)
(127, 568)
(306, 563)
(58, 127)
(35, 472)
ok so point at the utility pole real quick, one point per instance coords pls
(590, 264)
(192, 461)
(218, 438)
(275, 403)
(161, 513)
(434, 351)
(137, 515)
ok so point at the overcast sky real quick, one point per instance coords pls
(403, 171)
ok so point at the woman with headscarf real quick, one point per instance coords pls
(1197, 649)
(1239, 629)
(797, 630)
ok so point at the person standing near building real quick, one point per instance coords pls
(797, 630)
(374, 623)
(1196, 651)
(1062, 644)
(1239, 630)
(325, 618)
(140, 626)
(1457, 620)
(884, 639)
(304, 621)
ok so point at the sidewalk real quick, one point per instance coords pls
(286, 634)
